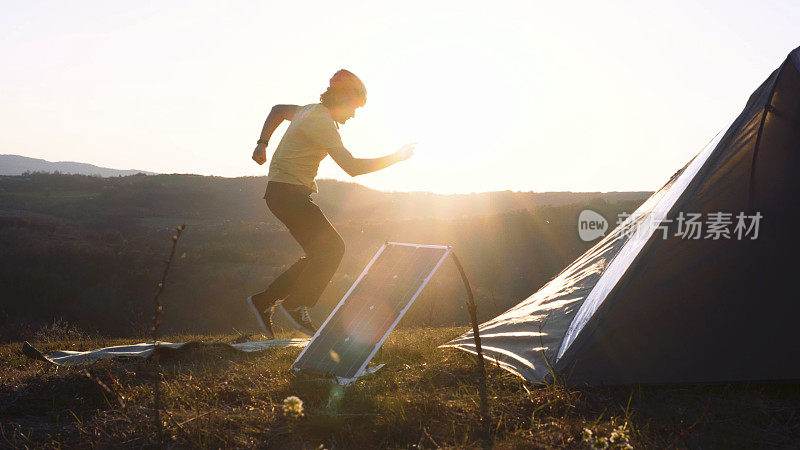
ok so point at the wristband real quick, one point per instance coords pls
(262, 141)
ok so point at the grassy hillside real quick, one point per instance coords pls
(425, 397)
(89, 249)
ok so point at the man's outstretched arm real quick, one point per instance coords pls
(278, 114)
(359, 166)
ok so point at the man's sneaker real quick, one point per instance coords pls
(264, 319)
(299, 319)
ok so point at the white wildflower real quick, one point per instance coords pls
(619, 438)
(293, 407)
(600, 443)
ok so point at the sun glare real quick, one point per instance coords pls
(503, 95)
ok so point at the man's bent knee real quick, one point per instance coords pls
(330, 246)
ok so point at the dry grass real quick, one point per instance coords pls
(424, 397)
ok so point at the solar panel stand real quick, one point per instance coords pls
(363, 371)
(348, 376)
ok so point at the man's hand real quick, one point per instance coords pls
(405, 152)
(260, 154)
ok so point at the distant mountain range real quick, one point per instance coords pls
(17, 165)
(218, 198)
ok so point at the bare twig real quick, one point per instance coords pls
(156, 324)
(120, 401)
(182, 430)
(425, 430)
(194, 418)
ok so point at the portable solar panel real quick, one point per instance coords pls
(369, 311)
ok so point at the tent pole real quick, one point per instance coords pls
(473, 315)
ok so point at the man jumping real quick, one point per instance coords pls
(312, 135)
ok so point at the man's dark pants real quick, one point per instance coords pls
(303, 282)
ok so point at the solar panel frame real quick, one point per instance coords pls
(363, 367)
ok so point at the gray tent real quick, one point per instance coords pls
(650, 303)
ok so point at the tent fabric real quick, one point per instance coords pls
(641, 308)
(145, 349)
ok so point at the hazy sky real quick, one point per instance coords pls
(613, 95)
